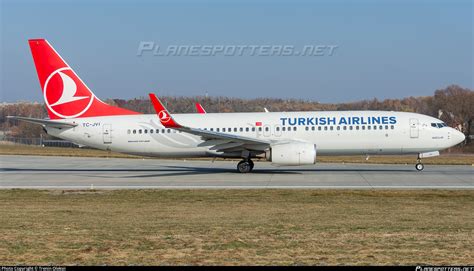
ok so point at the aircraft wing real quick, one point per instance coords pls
(218, 141)
(45, 122)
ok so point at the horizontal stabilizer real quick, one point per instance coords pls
(45, 122)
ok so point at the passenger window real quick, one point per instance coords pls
(212, 129)
(350, 127)
(163, 131)
(338, 128)
(357, 127)
(134, 131)
(344, 127)
(247, 129)
(294, 128)
(217, 129)
(157, 131)
(145, 131)
(140, 131)
(306, 128)
(392, 127)
(363, 127)
(267, 129)
(283, 128)
(128, 131)
(380, 127)
(369, 127)
(235, 129)
(313, 128)
(253, 129)
(169, 131)
(375, 127)
(223, 129)
(259, 129)
(151, 131)
(386, 127)
(325, 128)
(277, 129)
(319, 128)
(331, 128)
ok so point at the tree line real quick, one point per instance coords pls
(453, 104)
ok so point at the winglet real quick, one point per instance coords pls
(163, 114)
(200, 109)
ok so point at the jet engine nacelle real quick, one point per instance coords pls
(292, 154)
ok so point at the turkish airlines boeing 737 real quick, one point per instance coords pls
(284, 138)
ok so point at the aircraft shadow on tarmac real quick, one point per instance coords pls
(167, 171)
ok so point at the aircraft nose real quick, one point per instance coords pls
(457, 137)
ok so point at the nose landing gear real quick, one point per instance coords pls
(245, 166)
(419, 166)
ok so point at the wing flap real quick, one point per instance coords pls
(212, 142)
(226, 146)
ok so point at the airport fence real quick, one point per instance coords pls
(39, 141)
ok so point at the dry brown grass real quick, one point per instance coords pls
(444, 159)
(229, 227)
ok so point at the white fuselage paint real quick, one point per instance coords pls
(411, 134)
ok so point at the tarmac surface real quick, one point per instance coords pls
(42, 172)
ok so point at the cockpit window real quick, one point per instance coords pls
(438, 125)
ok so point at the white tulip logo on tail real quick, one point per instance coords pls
(65, 95)
(69, 90)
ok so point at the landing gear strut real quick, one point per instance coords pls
(245, 166)
(419, 166)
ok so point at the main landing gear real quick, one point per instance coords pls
(245, 166)
(419, 166)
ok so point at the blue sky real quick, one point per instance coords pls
(386, 49)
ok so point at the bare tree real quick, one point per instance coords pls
(457, 107)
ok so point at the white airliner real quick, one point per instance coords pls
(284, 138)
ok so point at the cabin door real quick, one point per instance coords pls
(107, 133)
(414, 128)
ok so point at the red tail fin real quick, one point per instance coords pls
(65, 95)
(200, 109)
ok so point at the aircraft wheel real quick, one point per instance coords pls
(419, 166)
(244, 166)
(251, 164)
